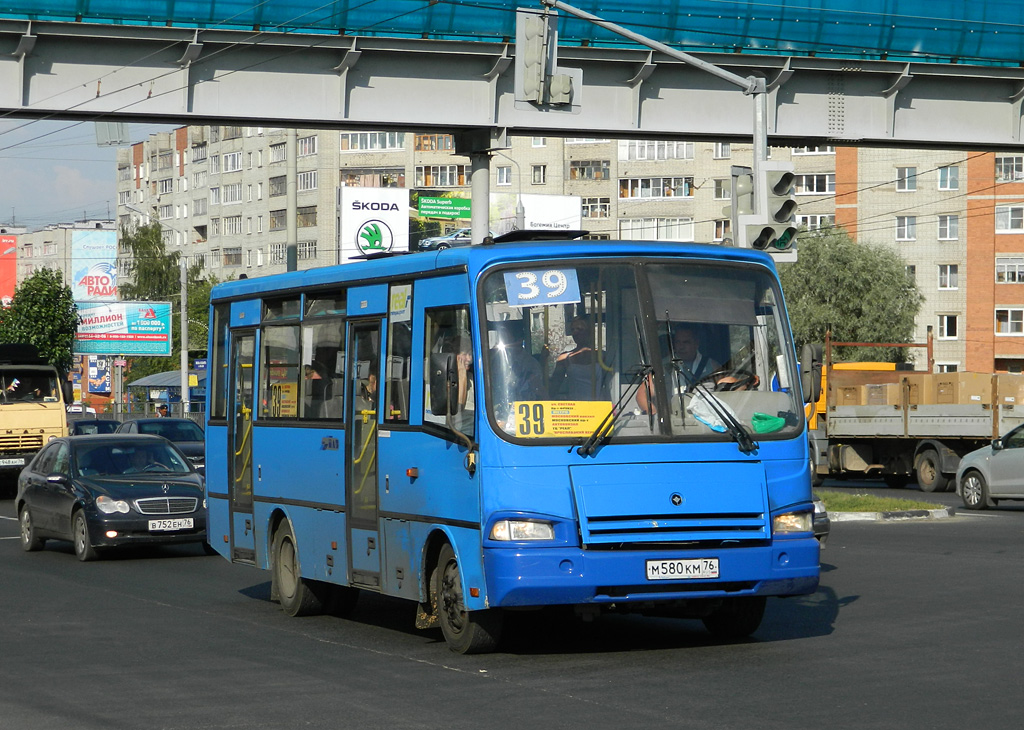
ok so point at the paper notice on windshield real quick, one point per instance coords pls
(558, 418)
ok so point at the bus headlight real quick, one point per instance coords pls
(792, 522)
(110, 506)
(510, 530)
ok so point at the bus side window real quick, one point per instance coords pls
(396, 372)
(448, 333)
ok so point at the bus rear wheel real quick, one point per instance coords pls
(298, 596)
(466, 632)
(736, 618)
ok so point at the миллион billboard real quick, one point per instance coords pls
(124, 328)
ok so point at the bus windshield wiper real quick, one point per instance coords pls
(608, 422)
(737, 430)
(604, 428)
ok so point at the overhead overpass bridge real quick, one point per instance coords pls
(885, 72)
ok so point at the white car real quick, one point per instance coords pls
(993, 472)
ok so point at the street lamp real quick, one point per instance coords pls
(520, 210)
(183, 364)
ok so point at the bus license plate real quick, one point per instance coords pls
(182, 523)
(682, 569)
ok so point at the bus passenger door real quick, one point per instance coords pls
(243, 354)
(361, 453)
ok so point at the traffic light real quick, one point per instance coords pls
(776, 230)
(531, 46)
(742, 197)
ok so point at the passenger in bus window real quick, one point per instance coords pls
(685, 365)
(318, 388)
(581, 373)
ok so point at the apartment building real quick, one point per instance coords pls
(50, 247)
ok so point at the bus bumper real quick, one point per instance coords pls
(554, 576)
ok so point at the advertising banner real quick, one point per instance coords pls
(373, 220)
(94, 266)
(443, 207)
(543, 212)
(8, 268)
(124, 328)
(99, 374)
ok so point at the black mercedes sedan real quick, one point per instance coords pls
(104, 491)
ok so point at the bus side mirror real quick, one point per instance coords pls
(444, 384)
(810, 372)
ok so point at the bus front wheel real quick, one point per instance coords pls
(466, 632)
(736, 618)
(297, 595)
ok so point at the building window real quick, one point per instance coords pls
(723, 189)
(656, 187)
(816, 150)
(305, 217)
(231, 193)
(232, 133)
(947, 327)
(372, 141)
(278, 186)
(434, 142)
(124, 174)
(124, 197)
(504, 175)
(1009, 218)
(948, 276)
(640, 149)
(199, 152)
(215, 196)
(231, 162)
(166, 212)
(723, 150)
(215, 226)
(1009, 168)
(306, 250)
(722, 228)
(199, 179)
(1010, 269)
(306, 146)
(539, 174)
(278, 220)
(906, 228)
(946, 367)
(277, 253)
(539, 142)
(232, 227)
(911, 272)
(815, 184)
(232, 256)
(596, 207)
(949, 178)
(1009, 321)
(440, 176)
(906, 179)
(165, 186)
(949, 227)
(656, 229)
(815, 222)
(214, 164)
(306, 180)
(199, 206)
(278, 152)
(589, 169)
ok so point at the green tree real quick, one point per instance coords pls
(155, 275)
(42, 313)
(860, 292)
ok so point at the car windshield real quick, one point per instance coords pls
(687, 351)
(28, 386)
(176, 431)
(120, 458)
(91, 427)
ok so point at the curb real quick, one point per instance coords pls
(910, 514)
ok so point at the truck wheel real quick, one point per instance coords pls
(929, 475)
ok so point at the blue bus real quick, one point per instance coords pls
(613, 426)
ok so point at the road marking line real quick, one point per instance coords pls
(15, 519)
(10, 538)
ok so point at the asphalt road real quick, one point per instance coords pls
(916, 625)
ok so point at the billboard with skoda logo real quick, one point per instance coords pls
(373, 220)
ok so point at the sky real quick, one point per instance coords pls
(54, 172)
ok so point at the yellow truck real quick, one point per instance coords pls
(33, 405)
(875, 420)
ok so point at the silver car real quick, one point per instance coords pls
(993, 472)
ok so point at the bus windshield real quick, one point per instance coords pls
(685, 350)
